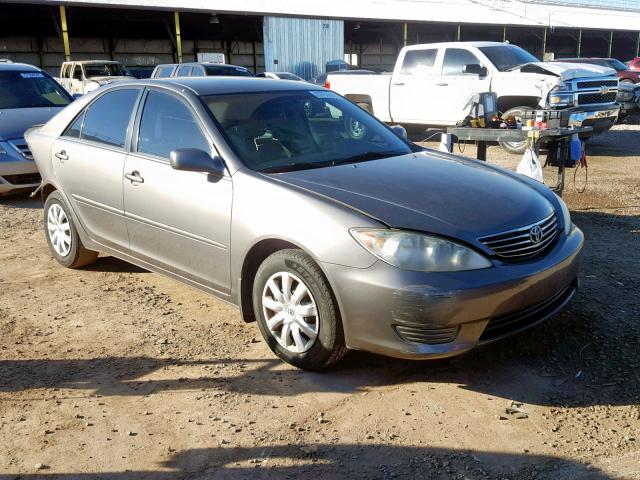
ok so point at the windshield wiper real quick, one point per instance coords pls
(366, 156)
(290, 167)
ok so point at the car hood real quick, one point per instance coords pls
(15, 121)
(567, 71)
(429, 192)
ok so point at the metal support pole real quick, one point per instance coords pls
(610, 43)
(41, 51)
(504, 34)
(255, 57)
(579, 43)
(381, 62)
(65, 33)
(176, 17)
(544, 43)
(405, 34)
(638, 46)
(458, 33)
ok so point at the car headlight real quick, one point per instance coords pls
(418, 252)
(560, 96)
(566, 216)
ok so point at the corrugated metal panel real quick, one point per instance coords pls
(302, 45)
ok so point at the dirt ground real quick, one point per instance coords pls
(112, 372)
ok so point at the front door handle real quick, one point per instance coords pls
(62, 155)
(442, 84)
(134, 177)
(398, 83)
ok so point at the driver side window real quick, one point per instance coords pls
(168, 124)
(77, 72)
(455, 60)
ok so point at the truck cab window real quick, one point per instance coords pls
(419, 61)
(77, 72)
(455, 59)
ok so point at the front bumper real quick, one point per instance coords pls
(599, 118)
(420, 315)
(17, 174)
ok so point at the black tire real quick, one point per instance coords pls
(515, 147)
(77, 256)
(329, 345)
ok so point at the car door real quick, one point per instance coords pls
(88, 160)
(65, 75)
(179, 221)
(413, 93)
(456, 88)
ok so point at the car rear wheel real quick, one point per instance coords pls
(62, 236)
(296, 311)
(518, 114)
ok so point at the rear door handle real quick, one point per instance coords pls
(442, 84)
(62, 155)
(398, 83)
(134, 177)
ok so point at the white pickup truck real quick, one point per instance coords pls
(82, 77)
(433, 84)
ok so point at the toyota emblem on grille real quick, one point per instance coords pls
(535, 234)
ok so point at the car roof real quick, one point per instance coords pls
(92, 61)
(221, 85)
(18, 67)
(457, 44)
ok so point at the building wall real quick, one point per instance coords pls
(302, 46)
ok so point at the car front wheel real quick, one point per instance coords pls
(62, 236)
(296, 311)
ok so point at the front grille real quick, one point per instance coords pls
(23, 179)
(595, 98)
(506, 324)
(22, 148)
(521, 244)
(426, 334)
(598, 84)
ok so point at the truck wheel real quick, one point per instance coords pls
(515, 147)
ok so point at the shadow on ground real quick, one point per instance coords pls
(331, 462)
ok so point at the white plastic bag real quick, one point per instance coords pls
(530, 166)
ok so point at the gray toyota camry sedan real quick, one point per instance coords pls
(322, 224)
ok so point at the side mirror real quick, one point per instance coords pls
(194, 160)
(475, 69)
(400, 131)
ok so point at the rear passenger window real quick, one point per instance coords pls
(168, 124)
(419, 61)
(455, 60)
(197, 72)
(183, 71)
(108, 117)
(164, 72)
(74, 129)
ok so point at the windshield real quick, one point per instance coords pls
(104, 70)
(30, 90)
(284, 131)
(617, 65)
(227, 70)
(288, 76)
(507, 57)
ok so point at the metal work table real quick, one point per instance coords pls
(556, 140)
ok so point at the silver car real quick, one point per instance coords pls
(322, 224)
(28, 96)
